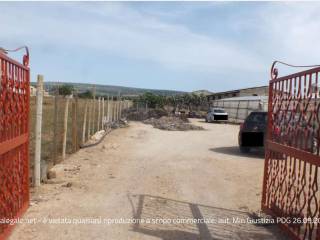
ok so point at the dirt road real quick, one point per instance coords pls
(142, 172)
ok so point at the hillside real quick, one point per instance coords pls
(110, 89)
(202, 92)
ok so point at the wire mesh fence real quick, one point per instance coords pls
(76, 119)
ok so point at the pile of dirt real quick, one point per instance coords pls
(140, 115)
(172, 124)
(122, 123)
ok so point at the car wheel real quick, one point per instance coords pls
(244, 149)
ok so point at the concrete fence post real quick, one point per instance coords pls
(55, 128)
(99, 112)
(102, 118)
(94, 110)
(37, 157)
(65, 128)
(113, 109)
(89, 117)
(74, 124)
(84, 123)
(117, 108)
(120, 108)
(108, 110)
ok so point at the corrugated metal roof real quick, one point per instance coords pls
(236, 90)
(245, 98)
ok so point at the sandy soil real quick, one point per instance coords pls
(143, 172)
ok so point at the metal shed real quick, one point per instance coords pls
(239, 108)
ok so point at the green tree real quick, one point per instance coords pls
(152, 100)
(65, 89)
(86, 94)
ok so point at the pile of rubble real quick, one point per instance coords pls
(98, 136)
(122, 123)
(141, 115)
(172, 124)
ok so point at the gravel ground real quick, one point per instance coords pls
(148, 173)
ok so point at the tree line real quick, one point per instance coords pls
(180, 101)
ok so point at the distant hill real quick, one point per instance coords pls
(204, 92)
(110, 89)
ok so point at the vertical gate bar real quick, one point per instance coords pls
(269, 127)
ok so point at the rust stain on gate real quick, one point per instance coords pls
(291, 181)
(14, 139)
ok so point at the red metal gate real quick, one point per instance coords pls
(291, 181)
(14, 140)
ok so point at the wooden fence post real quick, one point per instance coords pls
(37, 157)
(65, 128)
(84, 123)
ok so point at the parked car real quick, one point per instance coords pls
(216, 114)
(252, 132)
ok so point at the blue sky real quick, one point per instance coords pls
(163, 45)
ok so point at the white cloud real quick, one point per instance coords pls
(289, 32)
(117, 29)
(283, 31)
